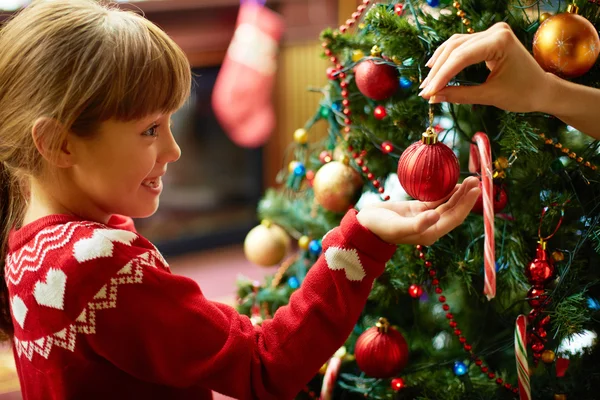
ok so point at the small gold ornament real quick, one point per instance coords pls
(266, 244)
(548, 356)
(337, 186)
(375, 51)
(292, 166)
(323, 368)
(560, 397)
(544, 16)
(357, 55)
(566, 44)
(303, 242)
(301, 136)
(558, 256)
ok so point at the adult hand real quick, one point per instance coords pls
(516, 83)
(415, 222)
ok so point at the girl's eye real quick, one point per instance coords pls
(152, 132)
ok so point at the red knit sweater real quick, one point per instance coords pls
(98, 315)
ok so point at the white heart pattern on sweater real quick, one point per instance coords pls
(347, 260)
(101, 244)
(19, 310)
(52, 292)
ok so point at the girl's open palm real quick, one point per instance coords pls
(415, 222)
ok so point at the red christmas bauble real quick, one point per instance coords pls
(536, 297)
(381, 351)
(428, 172)
(500, 198)
(541, 269)
(415, 291)
(397, 384)
(376, 81)
(380, 112)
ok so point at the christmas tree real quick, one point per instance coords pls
(506, 305)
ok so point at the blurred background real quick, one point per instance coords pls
(210, 195)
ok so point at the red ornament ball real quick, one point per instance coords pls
(381, 351)
(536, 297)
(387, 147)
(399, 9)
(500, 199)
(325, 157)
(331, 72)
(415, 291)
(375, 80)
(397, 384)
(541, 269)
(428, 172)
(380, 112)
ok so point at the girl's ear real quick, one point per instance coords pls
(52, 141)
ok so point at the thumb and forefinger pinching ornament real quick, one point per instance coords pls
(566, 44)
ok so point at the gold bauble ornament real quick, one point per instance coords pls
(544, 17)
(566, 44)
(357, 55)
(301, 136)
(548, 356)
(303, 242)
(337, 186)
(560, 397)
(266, 244)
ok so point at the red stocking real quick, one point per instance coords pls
(242, 96)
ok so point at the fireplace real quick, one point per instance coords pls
(210, 195)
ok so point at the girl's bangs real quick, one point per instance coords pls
(150, 73)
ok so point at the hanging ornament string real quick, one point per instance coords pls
(559, 223)
(521, 358)
(454, 325)
(480, 160)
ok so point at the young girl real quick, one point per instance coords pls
(86, 94)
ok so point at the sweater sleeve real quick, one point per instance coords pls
(165, 331)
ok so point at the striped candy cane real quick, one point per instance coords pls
(521, 356)
(331, 375)
(481, 160)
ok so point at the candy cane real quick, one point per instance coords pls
(331, 374)
(481, 159)
(521, 356)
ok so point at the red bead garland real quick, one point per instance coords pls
(341, 76)
(454, 325)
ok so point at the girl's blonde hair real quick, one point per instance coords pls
(80, 63)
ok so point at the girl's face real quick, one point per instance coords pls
(119, 170)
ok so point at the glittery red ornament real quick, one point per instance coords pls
(541, 269)
(376, 80)
(387, 147)
(380, 112)
(381, 351)
(415, 291)
(500, 198)
(397, 384)
(536, 297)
(428, 170)
(399, 9)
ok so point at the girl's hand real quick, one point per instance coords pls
(517, 83)
(414, 222)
